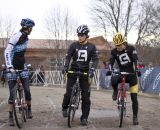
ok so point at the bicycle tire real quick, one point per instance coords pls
(121, 109)
(73, 105)
(17, 109)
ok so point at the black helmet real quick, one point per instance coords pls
(26, 23)
(83, 29)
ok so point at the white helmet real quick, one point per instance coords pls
(83, 29)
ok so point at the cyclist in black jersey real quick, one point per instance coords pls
(82, 53)
(15, 60)
(126, 57)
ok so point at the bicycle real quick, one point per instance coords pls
(20, 108)
(75, 98)
(122, 96)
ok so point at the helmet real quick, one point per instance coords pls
(118, 39)
(26, 23)
(83, 29)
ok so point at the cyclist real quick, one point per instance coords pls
(14, 58)
(81, 52)
(126, 57)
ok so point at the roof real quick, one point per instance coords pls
(48, 44)
(99, 41)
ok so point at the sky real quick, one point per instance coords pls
(38, 9)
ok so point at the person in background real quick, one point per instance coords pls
(30, 69)
(104, 81)
(3, 75)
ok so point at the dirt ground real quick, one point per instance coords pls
(46, 106)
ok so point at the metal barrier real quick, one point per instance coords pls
(149, 81)
(49, 78)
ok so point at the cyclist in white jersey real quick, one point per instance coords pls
(15, 60)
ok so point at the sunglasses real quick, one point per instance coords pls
(80, 34)
(118, 45)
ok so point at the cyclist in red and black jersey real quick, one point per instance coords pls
(126, 57)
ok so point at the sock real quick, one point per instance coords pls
(29, 107)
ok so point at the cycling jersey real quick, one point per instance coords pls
(14, 53)
(126, 59)
(81, 56)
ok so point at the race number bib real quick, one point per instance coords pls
(124, 58)
(82, 55)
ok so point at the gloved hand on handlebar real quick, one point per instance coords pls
(108, 73)
(10, 69)
(91, 72)
(64, 70)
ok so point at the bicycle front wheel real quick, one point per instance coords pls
(121, 110)
(73, 105)
(18, 110)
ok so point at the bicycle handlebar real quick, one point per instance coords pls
(77, 72)
(14, 71)
(122, 73)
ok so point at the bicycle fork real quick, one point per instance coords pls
(122, 98)
(76, 98)
(21, 103)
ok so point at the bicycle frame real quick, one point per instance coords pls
(122, 96)
(20, 88)
(74, 99)
(20, 105)
(122, 89)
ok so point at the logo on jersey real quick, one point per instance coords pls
(82, 55)
(124, 58)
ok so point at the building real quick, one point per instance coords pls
(50, 53)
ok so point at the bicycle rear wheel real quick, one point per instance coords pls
(24, 105)
(73, 105)
(19, 112)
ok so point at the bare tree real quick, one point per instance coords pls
(60, 27)
(7, 27)
(149, 23)
(113, 15)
